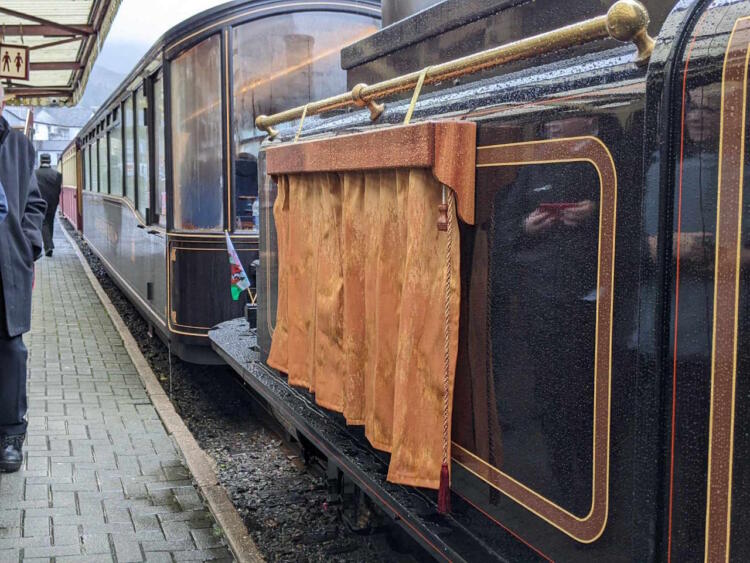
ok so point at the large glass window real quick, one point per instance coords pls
(141, 128)
(196, 138)
(94, 166)
(286, 61)
(278, 63)
(115, 159)
(129, 151)
(161, 169)
(103, 161)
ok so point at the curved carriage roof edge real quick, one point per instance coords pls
(209, 21)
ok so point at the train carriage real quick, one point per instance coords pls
(168, 164)
(576, 356)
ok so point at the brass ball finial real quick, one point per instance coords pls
(627, 20)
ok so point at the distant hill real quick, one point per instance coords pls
(101, 84)
(121, 55)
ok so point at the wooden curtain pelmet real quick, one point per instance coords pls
(369, 288)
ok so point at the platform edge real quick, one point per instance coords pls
(198, 462)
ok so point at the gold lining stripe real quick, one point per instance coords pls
(207, 236)
(175, 248)
(554, 507)
(230, 218)
(726, 518)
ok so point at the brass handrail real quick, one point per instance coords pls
(626, 20)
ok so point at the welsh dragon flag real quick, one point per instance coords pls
(240, 281)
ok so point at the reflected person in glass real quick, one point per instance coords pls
(544, 283)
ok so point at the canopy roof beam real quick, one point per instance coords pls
(45, 25)
(56, 43)
(61, 64)
(56, 65)
(43, 31)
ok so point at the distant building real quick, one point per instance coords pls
(54, 128)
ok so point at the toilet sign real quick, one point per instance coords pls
(14, 62)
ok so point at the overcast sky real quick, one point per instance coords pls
(137, 26)
(145, 20)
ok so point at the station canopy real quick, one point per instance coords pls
(63, 37)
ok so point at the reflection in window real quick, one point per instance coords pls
(129, 151)
(142, 150)
(115, 160)
(94, 150)
(543, 272)
(103, 164)
(196, 138)
(161, 168)
(296, 61)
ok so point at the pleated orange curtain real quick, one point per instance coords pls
(368, 304)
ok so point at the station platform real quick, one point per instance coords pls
(103, 479)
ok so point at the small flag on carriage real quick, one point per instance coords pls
(240, 281)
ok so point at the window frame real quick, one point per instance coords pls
(114, 121)
(224, 36)
(146, 214)
(129, 99)
(156, 216)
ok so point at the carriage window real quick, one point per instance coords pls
(129, 151)
(142, 160)
(297, 61)
(161, 172)
(94, 150)
(115, 159)
(103, 165)
(543, 259)
(196, 138)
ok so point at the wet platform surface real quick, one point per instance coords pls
(102, 480)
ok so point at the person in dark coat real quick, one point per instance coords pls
(20, 246)
(50, 184)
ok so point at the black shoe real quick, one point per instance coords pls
(11, 453)
(48, 253)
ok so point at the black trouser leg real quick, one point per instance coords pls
(48, 229)
(12, 386)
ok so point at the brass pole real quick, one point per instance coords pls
(626, 20)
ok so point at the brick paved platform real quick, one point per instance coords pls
(103, 480)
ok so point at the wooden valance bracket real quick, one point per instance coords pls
(448, 148)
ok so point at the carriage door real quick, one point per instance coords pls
(546, 368)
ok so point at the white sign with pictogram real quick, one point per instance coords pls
(14, 62)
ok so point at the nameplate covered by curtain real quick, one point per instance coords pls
(369, 281)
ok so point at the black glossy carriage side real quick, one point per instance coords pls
(600, 401)
(169, 162)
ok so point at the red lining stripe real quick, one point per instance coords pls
(677, 285)
(511, 532)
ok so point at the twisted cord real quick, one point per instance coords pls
(447, 358)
